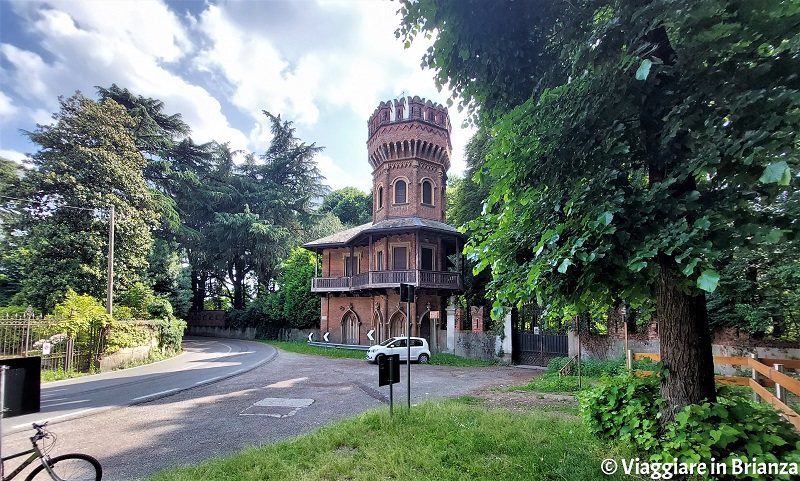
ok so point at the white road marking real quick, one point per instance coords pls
(207, 381)
(49, 405)
(155, 394)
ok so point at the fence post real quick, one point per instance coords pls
(629, 359)
(755, 377)
(780, 393)
(68, 354)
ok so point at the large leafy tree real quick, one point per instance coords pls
(87, 161)
(655, 137)
(352, 206)
(11, 266)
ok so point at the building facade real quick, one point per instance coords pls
(407, 241)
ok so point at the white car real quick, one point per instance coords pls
(397, 345)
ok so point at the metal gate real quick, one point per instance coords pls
(47, 338)
(538, 349)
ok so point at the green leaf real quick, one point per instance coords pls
(708, 280)
(605, 218)
(774, 236)
(777, 173)
(564, 265)
(644, 70)
(689, 269)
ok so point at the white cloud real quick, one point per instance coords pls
(261, 79)
(337, 177)
(7, 108)
(13, 155)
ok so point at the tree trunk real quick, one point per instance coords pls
(685, 344)
(199, 280)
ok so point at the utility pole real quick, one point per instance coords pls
(110, 293)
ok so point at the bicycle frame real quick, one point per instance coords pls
(34, 454)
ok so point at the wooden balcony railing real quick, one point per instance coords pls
(384, 279)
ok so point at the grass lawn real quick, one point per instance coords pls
(441, 359)
(451, 440)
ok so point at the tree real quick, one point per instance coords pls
(298, 306)
(655, 139)
(350, 205)
(465, 204)
(11, 175)
(86, 162)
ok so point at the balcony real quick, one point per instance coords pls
(387, 279)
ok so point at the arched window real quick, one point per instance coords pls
(400, 192)
(427, 193)
(380, 197)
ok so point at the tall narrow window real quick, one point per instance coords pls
(427, 193)
(379, 261)
(351, 266)
(380, 197)
(399, 258)
(400, 192)
(427, 259)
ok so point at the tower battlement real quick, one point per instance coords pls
(407, 109)
(409, 127)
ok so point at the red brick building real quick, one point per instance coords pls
(407, 241)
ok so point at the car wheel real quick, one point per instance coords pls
(378, 358)
(423, 359)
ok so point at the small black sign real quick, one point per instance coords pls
(23, 387)
(389, 369)
(406, 293)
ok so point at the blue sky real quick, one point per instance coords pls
(323, 64)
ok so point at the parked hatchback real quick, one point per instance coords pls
(397, 345)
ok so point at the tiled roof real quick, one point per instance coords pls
(385, 226)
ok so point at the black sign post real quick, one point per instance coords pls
(407, 296)
(389, 373)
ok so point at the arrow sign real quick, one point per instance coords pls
(370, 333)
(326, 336)
(310, 337)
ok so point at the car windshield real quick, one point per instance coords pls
(387, 342)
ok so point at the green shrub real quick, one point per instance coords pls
(557, 363)
(122, 334)
(624, 408)
(627, 408)
(733, 427)
(170, 334)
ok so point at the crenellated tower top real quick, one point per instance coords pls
(409, 127)
(409, 150)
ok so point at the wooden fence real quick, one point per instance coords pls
(763, 376)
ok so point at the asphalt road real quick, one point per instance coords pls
(287, 396)
(203, 361)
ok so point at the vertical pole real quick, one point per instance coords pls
(580, 359)
(408, 355)
(754, 375)
(109, 298)
(391, 386)
(629, 358)
(3, 369)
(780, 392)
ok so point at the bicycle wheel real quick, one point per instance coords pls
(70, 467)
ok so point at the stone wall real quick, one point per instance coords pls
(609, 348)
(476, 343)
(251, 332)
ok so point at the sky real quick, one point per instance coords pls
(323, 64)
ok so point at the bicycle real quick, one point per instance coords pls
(66, 467)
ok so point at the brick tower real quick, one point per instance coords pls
(407, 242)
(409, 152)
